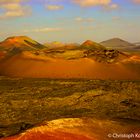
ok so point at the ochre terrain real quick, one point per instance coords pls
(27, 64)
(90, 60)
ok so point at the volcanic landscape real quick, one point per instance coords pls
(69, 91)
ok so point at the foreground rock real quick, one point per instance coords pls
(80, 129)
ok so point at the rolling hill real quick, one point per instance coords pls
(20, 42)
(91, 45)
(54, 44)
(58, 45)
(27, 64)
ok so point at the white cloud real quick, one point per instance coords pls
(54, 7)
(43, 30)
(13, 8)
(11, 1)
(89, 3)
(111, 7)
(80, 19)
(114, 6)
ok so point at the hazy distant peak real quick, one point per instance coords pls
(117, 43)
(116, 40)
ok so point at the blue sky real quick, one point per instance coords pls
(70, 20)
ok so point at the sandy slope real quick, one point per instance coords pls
(2, 54)
(27, 64)
(78, 129)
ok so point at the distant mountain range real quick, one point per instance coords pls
(114, 43)
(26, 43)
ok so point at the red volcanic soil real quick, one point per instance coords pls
(49, 136)
(77, 129)
(30, 65)
(61, 129)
